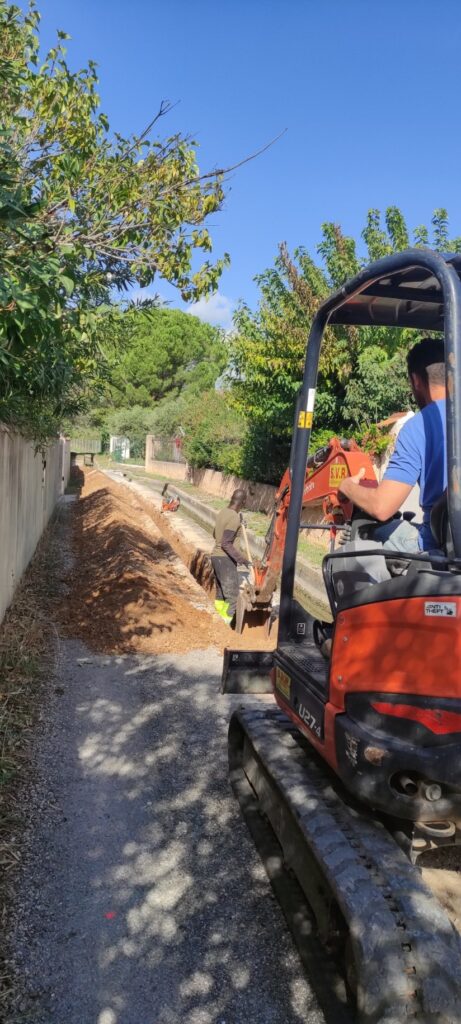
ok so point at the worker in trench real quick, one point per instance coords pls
(230, 564)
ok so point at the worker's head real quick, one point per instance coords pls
(238, 499)
(426, 369)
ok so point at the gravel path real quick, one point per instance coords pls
(143, 900)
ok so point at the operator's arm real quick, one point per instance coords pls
(382, 501)
(402, 473)
(227, 545)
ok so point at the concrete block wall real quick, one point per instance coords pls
(30, 485)
(172, 470)
(260, 497)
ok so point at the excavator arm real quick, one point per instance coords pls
(325, 470)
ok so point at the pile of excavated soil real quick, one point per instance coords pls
(128, 590)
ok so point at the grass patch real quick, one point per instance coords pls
(182, 485)
(312, 552)
(105, 460)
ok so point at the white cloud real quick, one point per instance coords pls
(216, 310)
(139, 294)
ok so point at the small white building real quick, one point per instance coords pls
(119, 447)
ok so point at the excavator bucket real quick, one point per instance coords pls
(240, 613)
(247, 671)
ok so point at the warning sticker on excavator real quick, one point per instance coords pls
(440, 608)
(337, 473)
(283, 683)
(305, 417)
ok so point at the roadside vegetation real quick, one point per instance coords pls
(362, 376)
(85, 215)
(28, 648)
(232, 397)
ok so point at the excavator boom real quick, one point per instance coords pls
(325, 470)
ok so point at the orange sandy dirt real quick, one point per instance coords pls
(128, 590)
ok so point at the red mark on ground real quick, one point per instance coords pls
(110, 914)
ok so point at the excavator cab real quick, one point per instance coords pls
(384, 711)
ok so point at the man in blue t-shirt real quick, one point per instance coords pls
(419, 457)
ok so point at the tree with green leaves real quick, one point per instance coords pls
(378, 388)
(268, 347)
(166, 353)
(83, 211)
(214, 433)
(159, 360)
(134, 422)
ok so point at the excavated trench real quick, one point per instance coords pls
(139, 583)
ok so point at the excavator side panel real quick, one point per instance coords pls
(304, 718)
(389, 715)
(412, 645)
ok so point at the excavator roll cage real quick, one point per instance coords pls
(417, 288)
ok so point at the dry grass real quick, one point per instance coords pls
(28, 651)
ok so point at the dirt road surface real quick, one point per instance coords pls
(141, 898)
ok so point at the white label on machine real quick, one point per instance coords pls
(310, 400)
(440, 608)
(352, 749)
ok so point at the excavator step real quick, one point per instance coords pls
(247, 671)
(402, 955)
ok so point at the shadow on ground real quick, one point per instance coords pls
(150, 905)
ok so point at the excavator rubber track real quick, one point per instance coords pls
(402, 955)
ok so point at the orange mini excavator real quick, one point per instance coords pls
(356, 765)
(169, 504)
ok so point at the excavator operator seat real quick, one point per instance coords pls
(348, 576)
(440, 524)
(345, 577)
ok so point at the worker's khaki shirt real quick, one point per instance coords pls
(227, 519)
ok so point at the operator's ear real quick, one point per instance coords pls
(418, 385)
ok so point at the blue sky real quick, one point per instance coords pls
(368, 93)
